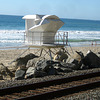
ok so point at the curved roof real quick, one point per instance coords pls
(50, 17)
(33, 16)
(40, 17)
(48, 23)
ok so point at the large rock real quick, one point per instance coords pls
(22, 61)
(30, 72)
(61, 56)
(40, 74)
(33, 72)
(39, 67)
(75, 60)
(32, 62)
(20, 74)
(51, 70)
(69, 66)
(91, 60)
(63, 67)
(42, 64)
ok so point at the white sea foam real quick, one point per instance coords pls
(11, 41)
(84, 35)
(82, 32)
(12, 36)
(12, 31)
(17, 36)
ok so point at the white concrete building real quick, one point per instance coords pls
(41, 29)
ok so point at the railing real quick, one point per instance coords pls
(40, 38)
(61, 37)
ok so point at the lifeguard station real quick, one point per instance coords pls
(42, 32)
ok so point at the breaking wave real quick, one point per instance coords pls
(11, 36)
(82, 36)
(16, 37)
(12, 31)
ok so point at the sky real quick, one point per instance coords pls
(73, 9)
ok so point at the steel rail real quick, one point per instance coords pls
(5, 91)
(63, 92)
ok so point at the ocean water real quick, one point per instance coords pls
(80, 32)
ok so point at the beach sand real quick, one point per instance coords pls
(7, 56)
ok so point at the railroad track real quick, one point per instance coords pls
(52, 88)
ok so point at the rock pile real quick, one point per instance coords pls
(21, 63)
(33, 66)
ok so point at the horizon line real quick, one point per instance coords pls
(59, 17)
